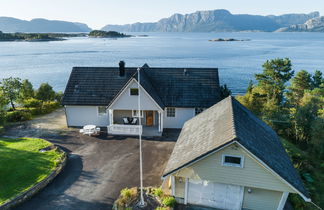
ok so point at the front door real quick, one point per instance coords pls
(149, 118)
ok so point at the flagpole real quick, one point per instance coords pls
(140, 139)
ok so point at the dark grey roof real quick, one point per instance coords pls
(229, 121)
(169, 87)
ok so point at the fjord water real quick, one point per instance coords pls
(237, 61)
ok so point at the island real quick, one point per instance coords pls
(107, 34)
(37, 37)
(228, 40)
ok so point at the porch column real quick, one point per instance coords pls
(162, 121)
(159, 113)
(111, 116)
(186, 191)
(172, 185)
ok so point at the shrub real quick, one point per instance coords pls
(35, 111)
(127, 196)
(169, 201)
(49, 106)
(158, 192)
(16, 116)
(32, 103)
(162, 208)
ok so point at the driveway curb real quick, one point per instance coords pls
(37, 187)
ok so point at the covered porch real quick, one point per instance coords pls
(126, 122)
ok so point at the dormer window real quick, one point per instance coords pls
(232, 160)
(133, 91)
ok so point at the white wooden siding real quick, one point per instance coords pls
(181, 116)
(253, 174)
(127, 102)
(84, 115)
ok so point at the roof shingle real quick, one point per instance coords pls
(223, 123)
(169, 87)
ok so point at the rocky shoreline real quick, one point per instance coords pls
(228, 40)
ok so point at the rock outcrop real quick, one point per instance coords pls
(8, 24)
(215, 21)
(312, 25)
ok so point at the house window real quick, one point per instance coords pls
(170, 112)
(133, 91)
(102, 110)
(232, 160)
(199, 110)
(135, 113)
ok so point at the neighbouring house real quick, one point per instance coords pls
(108, 97)
(227, 158)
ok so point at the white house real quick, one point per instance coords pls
(108, 97)
(227, 158)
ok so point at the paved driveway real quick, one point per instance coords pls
(97, 168)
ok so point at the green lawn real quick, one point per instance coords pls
(22, 165)
(311, 170)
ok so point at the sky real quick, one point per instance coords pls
(97, 13)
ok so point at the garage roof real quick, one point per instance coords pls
(224, 123)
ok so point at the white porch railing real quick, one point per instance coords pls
(118, 129)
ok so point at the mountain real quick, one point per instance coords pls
(8, 24)
(312, 25)
(215, 21)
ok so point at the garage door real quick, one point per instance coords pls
(222, 196)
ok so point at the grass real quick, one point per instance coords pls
(311, 170)
(22, 165)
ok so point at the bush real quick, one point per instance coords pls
(162, 208)
(16, 116)
(35, 111)
(169, 201)
(2, 117)
(158, 192)
(32, 103)
(127, 196)
(49, 106)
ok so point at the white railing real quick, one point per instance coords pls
(118, 129)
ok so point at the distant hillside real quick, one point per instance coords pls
(8, 24)
(312, 25)
(215, 21)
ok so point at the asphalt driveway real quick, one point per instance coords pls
(97, 168)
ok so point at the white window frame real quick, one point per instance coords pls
(233, 164)
(136, 111)
(101, 113)
(130, 90)
(174, 112)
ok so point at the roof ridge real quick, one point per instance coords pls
(231, 98)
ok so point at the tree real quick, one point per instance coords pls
(11, 88)
(27, 90)
(308, 114)
(317, 79)
(301, 82)
(45, 92)
(224, 91)
(3, 103)
(275, 74)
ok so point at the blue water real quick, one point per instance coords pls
(237, 61)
